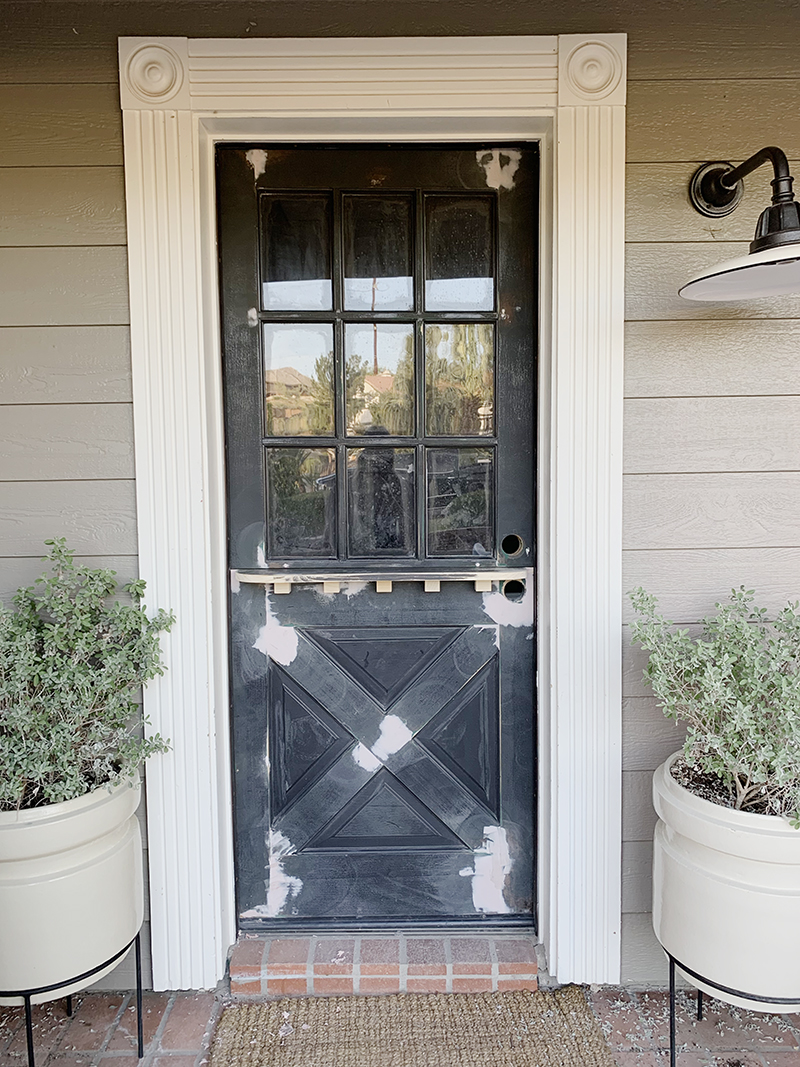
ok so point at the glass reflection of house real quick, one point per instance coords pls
(288, 394)
(374, 387)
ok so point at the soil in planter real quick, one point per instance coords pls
(711, 787)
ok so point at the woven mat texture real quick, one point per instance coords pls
(518, 1029)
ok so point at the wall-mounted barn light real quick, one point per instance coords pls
(773, 265)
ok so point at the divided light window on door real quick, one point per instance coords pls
(378, 319)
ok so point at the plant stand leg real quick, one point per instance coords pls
(29, 1028)
(69, 1006)
(139, 1034)
(700, 1005)
(671, 1012)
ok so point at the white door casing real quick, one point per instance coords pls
(180, 97)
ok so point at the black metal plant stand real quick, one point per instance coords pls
(27, 994)
(789, 1002)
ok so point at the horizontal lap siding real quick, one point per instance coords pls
(66, 428)
(712, 409)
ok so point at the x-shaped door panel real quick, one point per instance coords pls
(388, 734)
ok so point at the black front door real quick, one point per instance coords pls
(378, 309)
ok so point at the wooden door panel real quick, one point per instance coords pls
(383, 745)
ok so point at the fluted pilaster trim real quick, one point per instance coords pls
(586, 545)
(188, 853)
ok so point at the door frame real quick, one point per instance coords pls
(181, 97)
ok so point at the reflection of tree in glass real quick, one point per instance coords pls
(459, 378)
(298, 502)
(320, 410)
(393, 408)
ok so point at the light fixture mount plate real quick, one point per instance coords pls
(709, 196)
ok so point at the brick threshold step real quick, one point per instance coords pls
(326, 965)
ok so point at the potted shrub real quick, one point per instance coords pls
(726, 866)
(72, 660)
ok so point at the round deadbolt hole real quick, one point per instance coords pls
(512, 544)
(514, 590)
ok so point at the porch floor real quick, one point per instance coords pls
(178, 1029)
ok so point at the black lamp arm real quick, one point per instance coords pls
(781, 183)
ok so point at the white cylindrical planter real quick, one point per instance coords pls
(71, 890)
(726, 895)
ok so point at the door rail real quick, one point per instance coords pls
(332, 583)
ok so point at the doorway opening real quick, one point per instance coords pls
(379, 325)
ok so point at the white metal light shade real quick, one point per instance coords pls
(770, 272)
(773, 266)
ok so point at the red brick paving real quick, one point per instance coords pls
(636, 1027)
(178, 1025)
(403, 962)
(102, 1031)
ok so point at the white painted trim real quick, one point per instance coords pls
(180, 98)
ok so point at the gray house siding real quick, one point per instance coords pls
(712, 410)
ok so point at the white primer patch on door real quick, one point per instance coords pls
(365, 759)
(282, 886)
(394, 735)
(499, 165)
(507, 612)
(257, 158)
(276, 641)
(490, 868)
(353, 588)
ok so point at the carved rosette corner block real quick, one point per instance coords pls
(591, 70)
(154, 74)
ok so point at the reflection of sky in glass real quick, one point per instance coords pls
(459, 294)
(391, 341)
(385, 294)
(298, 347)
(311, 294)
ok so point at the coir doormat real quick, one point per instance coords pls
(519, 1029)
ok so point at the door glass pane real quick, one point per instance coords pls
(296, 253)
(298, 379)
(378, 253)
(459, 253)
(301, 501)
(381, 498)
(460, 502)
(459, 378)
(379, 378)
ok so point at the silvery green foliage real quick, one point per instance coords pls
(71, 662)
(737, 688)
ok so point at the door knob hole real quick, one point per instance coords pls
(512, 544)
(514, 590)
